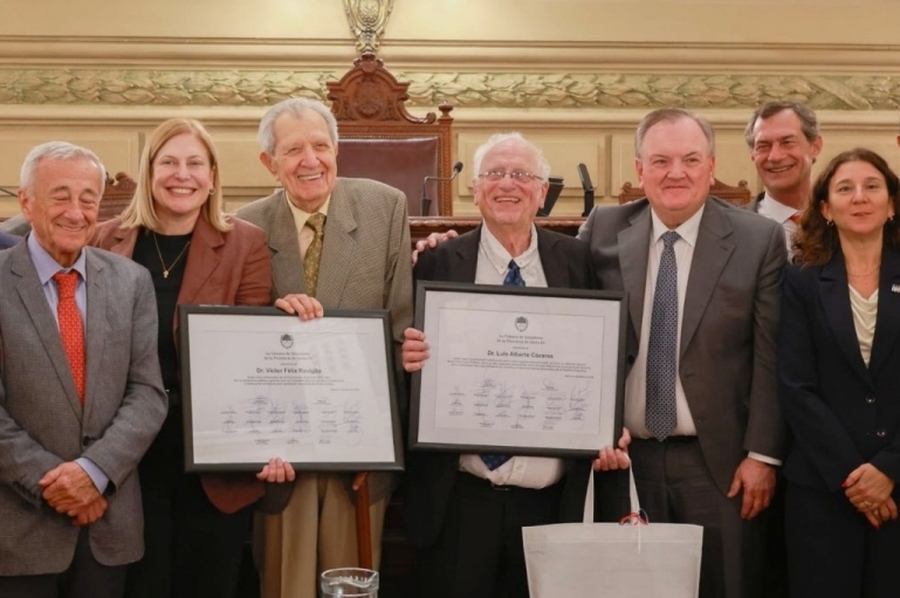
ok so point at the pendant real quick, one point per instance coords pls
(165, 273)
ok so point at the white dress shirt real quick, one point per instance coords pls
(493, 264)
(773, 209)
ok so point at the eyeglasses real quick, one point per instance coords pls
(519, 176)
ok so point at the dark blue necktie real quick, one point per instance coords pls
(513, 276)
(513, 279)
(660, 417)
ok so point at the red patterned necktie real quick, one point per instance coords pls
(796, 217)
(70, 327)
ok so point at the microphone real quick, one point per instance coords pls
(588, 187)
(426, 203)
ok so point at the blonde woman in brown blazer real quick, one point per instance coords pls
(175, 226)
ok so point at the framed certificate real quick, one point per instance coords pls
(526, 371)
(258, 383)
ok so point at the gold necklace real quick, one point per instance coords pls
(864, 274)
(167, 269)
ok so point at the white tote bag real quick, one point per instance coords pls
(595, 560)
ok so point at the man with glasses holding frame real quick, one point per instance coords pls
(465, 513)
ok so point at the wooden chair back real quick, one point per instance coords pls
(738, 195)
(381, 140)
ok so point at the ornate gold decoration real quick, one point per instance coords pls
(137, 87)
(367, 19)
(625, 90)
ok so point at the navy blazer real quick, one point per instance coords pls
(842, 413)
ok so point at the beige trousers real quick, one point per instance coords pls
(320, 519)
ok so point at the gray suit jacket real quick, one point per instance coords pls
(753, 205)
(16, 225)
(729, 323)
(42, 423)
(7, 240)
(365, 260)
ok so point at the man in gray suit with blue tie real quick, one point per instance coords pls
(80, 391)
(703, 280)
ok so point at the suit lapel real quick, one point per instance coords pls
(202, 260)
(634, 251)
(887, 327)
(35, 302)
(287, 267)
(556, 270)
(95, 332)
(464, 264)
(125, 241)
(339, 249)
(835, 297)
(711, 254)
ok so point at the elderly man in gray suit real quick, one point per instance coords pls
(80, 391)
(703, 280)
(345, 242)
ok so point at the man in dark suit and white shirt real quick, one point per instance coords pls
(80, 391)
(703, 280)
(465, 512)
(784, 143)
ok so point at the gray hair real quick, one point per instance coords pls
(543, 166)
(809, 124)
(671, 115)
(296, 107)
(57, 150)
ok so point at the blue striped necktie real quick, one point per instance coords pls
(660, 416)
(513, 279)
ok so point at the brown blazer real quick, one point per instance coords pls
(230, 268)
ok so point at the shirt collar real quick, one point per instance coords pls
(499, 257)
(776, 210)
(303, 215)
(46, 266)
(688, 230)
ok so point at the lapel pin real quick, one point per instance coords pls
(895, 288)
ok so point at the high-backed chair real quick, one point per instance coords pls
(381, 140)
(738, 196)
(116, 196)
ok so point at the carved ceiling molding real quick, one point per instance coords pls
(145, 87)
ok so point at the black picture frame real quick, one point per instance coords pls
(606, 308)
(262, 359)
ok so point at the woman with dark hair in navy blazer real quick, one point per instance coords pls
(839, 384)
